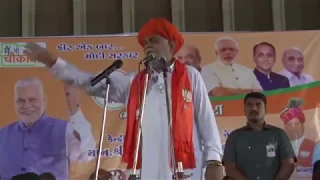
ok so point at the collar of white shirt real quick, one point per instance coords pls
(220, 63)
(297, 143)
(289, 75)
(156, 73)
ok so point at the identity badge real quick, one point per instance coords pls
(271, 150)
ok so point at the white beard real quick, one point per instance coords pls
(226, 62)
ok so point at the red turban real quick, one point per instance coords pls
(162, 27)
(291, 113)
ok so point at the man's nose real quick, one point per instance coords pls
(183, 60)
(264, 58)
(296, 62)
(27, 104)
(227, 52)
(254, 108)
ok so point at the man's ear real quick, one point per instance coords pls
(172, 45)
(45, 100)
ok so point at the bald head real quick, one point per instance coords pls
(293, 60)
(290, 51)
(189, 55)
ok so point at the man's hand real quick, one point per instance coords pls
(213, 172)
(72, 98)
(38, 53)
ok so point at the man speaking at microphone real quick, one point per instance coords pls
(196, 137)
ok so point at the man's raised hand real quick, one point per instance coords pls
(38, 53)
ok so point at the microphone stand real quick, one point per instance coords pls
(177, 168)
(106, 99)
(135, 175)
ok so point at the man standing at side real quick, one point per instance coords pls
(258, 150)
(225, 76)
(264, 55)
(194, 125)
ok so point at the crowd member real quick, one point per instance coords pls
(102, 175)
(26, 176)
(47, 176)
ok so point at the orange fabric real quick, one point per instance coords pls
(182, 118)
(162, 27)
(291, 113)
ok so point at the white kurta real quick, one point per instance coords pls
(78, 151)
(296, 145)
(296, 81)
(234, 76)
(155, 138)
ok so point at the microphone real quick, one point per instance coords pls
(106, 73)
(150, 57)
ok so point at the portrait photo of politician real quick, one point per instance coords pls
(225, 76)
(293, 63)
(82, 125)
(294, 120)
(190, 55)
(37, 142)
(264, 55)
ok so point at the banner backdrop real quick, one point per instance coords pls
(92, 54)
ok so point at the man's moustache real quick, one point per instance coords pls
(254, 112)
(149, 51)
(219, 58)
(26, 112)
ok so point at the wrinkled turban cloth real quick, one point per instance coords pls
(291, 113)
(162, 27)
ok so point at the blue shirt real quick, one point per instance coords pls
(39, 149)
(316, 154)
(271, 82)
